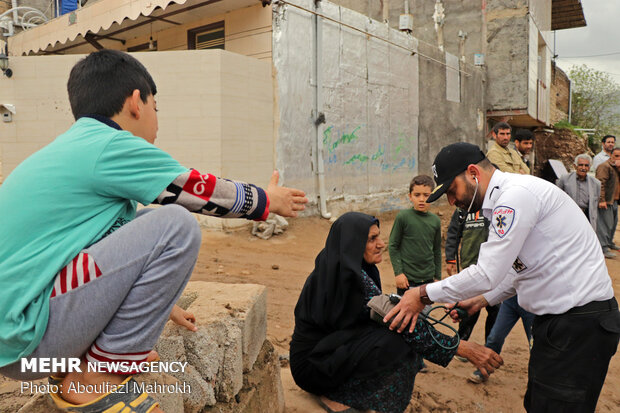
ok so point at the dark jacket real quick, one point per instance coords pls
(469, 235)
(608, 175)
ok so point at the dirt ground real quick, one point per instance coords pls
(283, 263)
(240, 258)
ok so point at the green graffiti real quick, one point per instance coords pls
(327, 135)
(358, 157)
(378, 154)
(345, 138)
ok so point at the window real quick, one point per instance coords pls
(206, 37)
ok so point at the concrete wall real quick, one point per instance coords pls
(507, 54)
(371, 105)
(215, 109)
(460, 15)
(386, 111)
(443, 122)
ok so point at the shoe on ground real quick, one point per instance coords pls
(477, 377)
(461, 359)
(609, 254)
(614, 247)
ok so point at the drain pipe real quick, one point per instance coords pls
(14, 7)
(320, 116)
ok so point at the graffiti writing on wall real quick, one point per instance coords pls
(341, 149)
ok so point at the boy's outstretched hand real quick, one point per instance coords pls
(183, 318)
(285, 201)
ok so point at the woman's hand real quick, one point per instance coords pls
(485, 359)
(183, 318)
(401, 281)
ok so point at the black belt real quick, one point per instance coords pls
(595, 307)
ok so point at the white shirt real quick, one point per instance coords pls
(540, 246)
(600, 157)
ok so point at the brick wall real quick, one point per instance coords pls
(560, 87)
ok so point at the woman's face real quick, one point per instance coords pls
(374, 246)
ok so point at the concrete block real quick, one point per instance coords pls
(164, 390)
(202, 393)
(262, 387)
(245, 304)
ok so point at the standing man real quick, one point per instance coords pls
(608, 141)
(584, 189)
(505, 158)
(541, 246)
(607, 173)
(468, 232)
(524, 142)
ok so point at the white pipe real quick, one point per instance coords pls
(318, 32)
(14, 8)
(20, 8)
(406, 6)
(570, 100)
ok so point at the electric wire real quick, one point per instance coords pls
(370, 35)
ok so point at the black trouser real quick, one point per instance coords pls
(467, 326)
(570, 357)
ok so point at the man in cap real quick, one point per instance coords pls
(542, 247)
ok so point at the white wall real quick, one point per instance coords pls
(215, 109)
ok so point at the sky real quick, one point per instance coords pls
(601, 36)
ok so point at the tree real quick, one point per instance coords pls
(595, 101)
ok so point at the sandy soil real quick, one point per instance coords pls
(241, 258)
(283, 263)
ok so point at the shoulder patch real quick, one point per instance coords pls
(503, 217)
(518, 266)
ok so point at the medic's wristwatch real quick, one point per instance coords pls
(424, 296)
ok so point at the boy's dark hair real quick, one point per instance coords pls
(501, 125)
(100, 83)
(607, 137)
(422, 180)
(524, 135)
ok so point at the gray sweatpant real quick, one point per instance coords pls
(606, 225)
(145, 266)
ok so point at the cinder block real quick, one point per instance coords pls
(244, 304)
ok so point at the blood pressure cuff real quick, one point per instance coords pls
(380, 305)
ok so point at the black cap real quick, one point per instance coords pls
(450, 162)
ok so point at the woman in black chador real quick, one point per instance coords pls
(337, 352)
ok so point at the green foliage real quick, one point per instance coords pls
(563, 124)
(595, 101)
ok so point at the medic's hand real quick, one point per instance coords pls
(472, 306)
(406, 311)
(485, 359)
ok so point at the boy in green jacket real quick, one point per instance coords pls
(415, 240)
